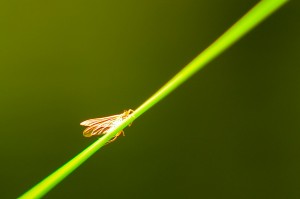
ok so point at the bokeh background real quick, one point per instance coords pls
(231, 131)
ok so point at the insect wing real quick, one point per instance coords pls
(97, 129)
(94, 121)
(99, 126)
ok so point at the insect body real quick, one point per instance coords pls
(100, 126)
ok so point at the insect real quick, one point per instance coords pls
(100, 126)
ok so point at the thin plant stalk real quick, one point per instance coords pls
(256, 15)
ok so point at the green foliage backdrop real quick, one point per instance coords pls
(66, 61)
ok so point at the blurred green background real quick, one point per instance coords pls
(232, 131)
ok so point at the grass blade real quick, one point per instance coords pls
(256, 15)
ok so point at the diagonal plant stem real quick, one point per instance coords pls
(256, 15)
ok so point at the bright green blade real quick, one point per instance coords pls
(256, 15)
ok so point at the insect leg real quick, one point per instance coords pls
(114, 138)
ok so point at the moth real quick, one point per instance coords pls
(100, 126)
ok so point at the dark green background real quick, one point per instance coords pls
(231, 131)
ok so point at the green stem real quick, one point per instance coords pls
(245, 24)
